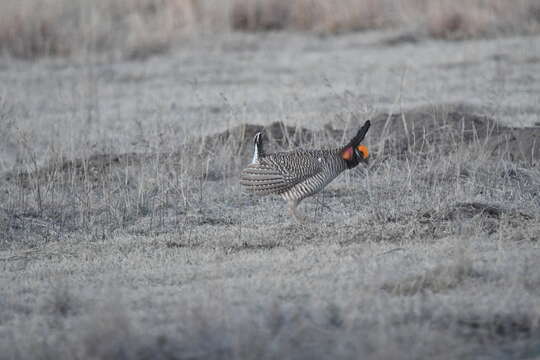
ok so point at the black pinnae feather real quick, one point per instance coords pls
(359, 136)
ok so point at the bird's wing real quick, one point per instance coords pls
(276, 174)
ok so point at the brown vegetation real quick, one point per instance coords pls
(134, 28)
(124, 233)
(423, 131)
(141, 28)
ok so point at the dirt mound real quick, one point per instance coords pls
(518, 145)
(449, 128)
(467, 210)
(419, 131)
(278, 136)
(489, 216)
(91, 168)
(235, 146)
(443, 128)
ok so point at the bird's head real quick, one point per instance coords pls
(354, 153)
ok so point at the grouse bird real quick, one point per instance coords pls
(298, 174)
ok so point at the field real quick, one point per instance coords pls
(126, 235)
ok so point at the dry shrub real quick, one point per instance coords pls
(29, 30)
(154, 25)
(318, 15)
(257, 15)
(347, 15)
(442, 19)
(136, 28)
(467, 19)
(141, 28)
(456, 21)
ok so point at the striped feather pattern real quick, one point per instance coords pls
(262, 179)
(293, 175)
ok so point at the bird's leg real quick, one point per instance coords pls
(293, 210)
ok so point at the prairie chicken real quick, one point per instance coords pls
(298, 174)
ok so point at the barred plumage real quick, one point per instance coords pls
(298, 174)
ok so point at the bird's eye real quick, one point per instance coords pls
(319, 159)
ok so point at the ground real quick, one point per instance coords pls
(127, 235)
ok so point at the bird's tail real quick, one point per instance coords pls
(258, 151)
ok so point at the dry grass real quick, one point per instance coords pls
(125, 233)
(319, 16)
(469, 19)
(141, 28)
(255, 286)
(136, 28)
